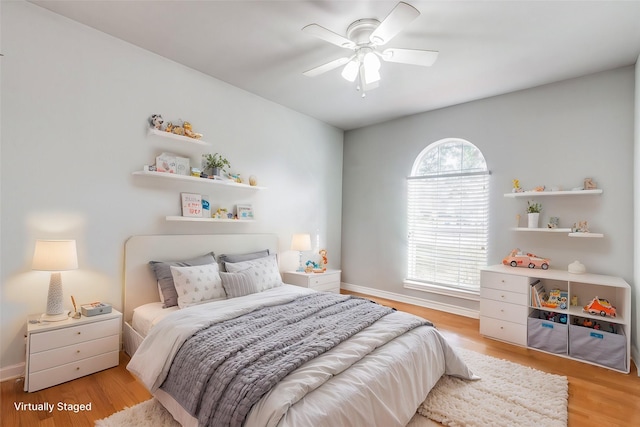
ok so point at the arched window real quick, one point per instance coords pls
(448, 204)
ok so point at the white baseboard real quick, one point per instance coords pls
(11, 372)
(434, 305)
(635, 355)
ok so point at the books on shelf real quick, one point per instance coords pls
(538, 294)
(555, 298)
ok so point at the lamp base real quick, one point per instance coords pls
(54, 317)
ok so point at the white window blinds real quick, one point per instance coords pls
(448, 217)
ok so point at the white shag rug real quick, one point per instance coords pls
(507, 395)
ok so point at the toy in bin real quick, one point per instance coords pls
(600, 306)
(95, 308)
(517, 259)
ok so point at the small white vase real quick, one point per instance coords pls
(533, 219)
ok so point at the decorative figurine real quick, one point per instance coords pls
(554, 221)
(156, 121)
(516, 186)
(188, 131)
(582, 227)
(589, 184)
(324, 260)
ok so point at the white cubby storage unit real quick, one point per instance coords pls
(215, 185)
(507, 313)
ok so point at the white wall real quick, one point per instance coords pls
(635, 320)
(556, 134)
(75, 103)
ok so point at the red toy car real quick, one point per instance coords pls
(600, 306)
(518, 259)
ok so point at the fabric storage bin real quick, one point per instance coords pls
(546, 335)
(603, 348)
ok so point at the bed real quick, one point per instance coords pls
(369, 365)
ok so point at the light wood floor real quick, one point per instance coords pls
(597, 396)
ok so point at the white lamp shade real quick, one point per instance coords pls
(350, 71)
(55, 255)
(301, 242)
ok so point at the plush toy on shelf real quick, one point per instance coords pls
(156, 121)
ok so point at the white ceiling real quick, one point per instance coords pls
(486, 47)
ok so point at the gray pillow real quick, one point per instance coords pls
(239, 284)
(242, 257)
(162, 270)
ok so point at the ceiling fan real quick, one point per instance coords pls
(364, 36)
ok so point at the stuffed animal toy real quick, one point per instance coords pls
(188, 131)
(156, 121)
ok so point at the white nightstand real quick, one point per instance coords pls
(329, 281)
(63, 351)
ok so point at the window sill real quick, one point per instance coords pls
(442, 290)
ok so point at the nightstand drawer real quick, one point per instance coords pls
(71, 371)
(515, 333)
(506, 282)
(515, 313)
(67, 336)
(504, 296)
(59, 356)
(324, 279)
(327, 287)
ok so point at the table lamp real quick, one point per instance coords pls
(55, 256)
(301, 242)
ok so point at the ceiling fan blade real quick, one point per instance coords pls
(327, 67)
(400, 17)
(425, 58)
(329, 36)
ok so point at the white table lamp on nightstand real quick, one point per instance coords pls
(55, 256)
(300, 243)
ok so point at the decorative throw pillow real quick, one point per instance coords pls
(242, 257)
(197, 284)
(267, 273)
(239, 284)
(162, 270)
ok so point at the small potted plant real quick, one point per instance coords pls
(216, 163)
(533, 214)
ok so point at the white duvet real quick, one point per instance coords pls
(360, 382)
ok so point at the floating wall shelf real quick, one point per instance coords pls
(554, 193)
(206, 181)
(198, 219)
(177, 137)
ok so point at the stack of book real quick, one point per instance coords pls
(538, 294)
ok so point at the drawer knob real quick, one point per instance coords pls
(78, 351)
(79, 332)
(501, 311)
(78, 368)
(501, 296)
(501, 327)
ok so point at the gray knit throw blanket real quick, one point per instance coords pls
(223, 370)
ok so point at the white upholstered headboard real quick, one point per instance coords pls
(140, 286)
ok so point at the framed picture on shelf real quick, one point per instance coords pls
(191, 204)
(244, 212)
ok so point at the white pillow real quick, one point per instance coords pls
(240, 283)
(197, 284)
(267, 273)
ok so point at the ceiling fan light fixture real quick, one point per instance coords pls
(371, 68)
(350, 71)
(364, 37)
